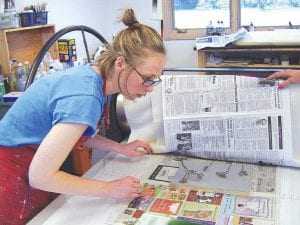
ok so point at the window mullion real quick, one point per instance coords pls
(235, 15)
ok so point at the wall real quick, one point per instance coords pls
(101, 15)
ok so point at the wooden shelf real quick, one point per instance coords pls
(23, 44)
(28, 28)
(255, 54)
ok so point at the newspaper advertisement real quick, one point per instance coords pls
(227, 117)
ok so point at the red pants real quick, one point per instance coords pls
(18, 201)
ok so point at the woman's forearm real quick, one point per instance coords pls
(102, 143)
(65, 183)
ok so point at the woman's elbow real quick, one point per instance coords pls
(33, 181)
(36, 180)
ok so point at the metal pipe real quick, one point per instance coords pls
(221, 69)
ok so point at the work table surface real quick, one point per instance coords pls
(80, 210)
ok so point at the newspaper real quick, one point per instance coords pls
(230, 117)
(219, 41)
(227, 117)
(203, 192)
(266, 195)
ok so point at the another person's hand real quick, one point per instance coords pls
(136, 148)
(126, 187)
(289, 77)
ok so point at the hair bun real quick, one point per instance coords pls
(129, 18)
(133, 24)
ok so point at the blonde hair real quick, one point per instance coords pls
(134, 43)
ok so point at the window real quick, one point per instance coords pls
(270, 13)
(193, 14)
(188, 19)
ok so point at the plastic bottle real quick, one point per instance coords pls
(51, 69)
(47, 61)
(222, 28)
(209, 28)
(251, 27)
(6, 84)
(13, 76)
(2, 88)
(57, 65)
(40, 72)
(218, 28)
(21, 78)
(27, 68)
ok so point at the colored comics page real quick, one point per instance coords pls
(187, 197)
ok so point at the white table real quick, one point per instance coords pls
(73, 210)
(94, 210)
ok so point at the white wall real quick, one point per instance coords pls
(101, 15)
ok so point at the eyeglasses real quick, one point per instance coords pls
(147, 82)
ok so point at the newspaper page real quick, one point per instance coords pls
(220, 41)
(203, 192)
(228, 118)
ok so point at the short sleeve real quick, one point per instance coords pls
(78, 109)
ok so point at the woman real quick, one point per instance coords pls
(60, 110)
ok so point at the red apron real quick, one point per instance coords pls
(18, 201)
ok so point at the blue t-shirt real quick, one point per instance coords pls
(74, 95)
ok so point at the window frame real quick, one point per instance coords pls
(169, 33)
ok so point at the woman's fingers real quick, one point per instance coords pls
(279, 75)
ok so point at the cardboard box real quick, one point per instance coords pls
(12, 96)
(67, 50)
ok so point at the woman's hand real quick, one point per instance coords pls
(126, 187)
(136, 148)
(290, 77)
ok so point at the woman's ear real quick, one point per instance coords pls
(120, 62)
